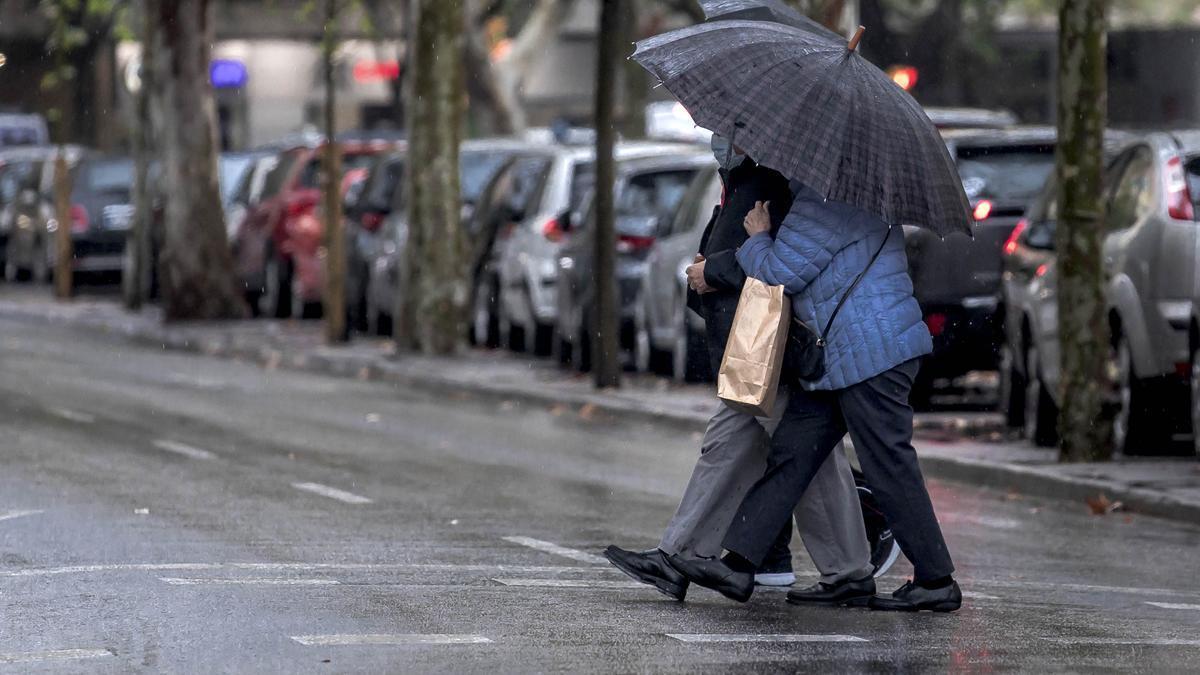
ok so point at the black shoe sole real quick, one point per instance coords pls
(671, 590)
(858, 602)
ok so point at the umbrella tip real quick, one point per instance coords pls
(857, 38)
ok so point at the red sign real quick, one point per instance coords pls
(376, 71)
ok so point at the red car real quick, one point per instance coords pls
(276, 238)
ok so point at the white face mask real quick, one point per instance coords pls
(726, 155)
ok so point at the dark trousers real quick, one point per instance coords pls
(880, 422)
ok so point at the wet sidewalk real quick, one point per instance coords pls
(970, 447)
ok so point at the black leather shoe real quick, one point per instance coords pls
(913, 598)
(713, 574)
(649, 567)
(847, 593)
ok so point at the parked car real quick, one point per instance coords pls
(971, 118)
(649, 191)
(669, 337)
(248, 191)
(28, 220)
(18, 129)
(101, 213)
(1028, 253)
(1150, 253)
(957, 279)
(264, 244)
(385, 251)
(528, 252)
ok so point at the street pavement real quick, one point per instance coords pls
(162, 511)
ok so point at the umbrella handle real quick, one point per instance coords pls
(857, 38)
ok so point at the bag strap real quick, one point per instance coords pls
(825, 333)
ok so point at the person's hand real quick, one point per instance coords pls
(695, 276)
(759, 219)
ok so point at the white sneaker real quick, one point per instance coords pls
(774, 578)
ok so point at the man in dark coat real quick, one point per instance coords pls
(733, 451)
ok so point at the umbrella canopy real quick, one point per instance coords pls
(807, 105)
(763, 10)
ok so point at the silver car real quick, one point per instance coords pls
(527, 255)
(27, 221)
(1149, 257)
(668, 336)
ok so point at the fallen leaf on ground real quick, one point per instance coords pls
(588, 411)
(1102, 505)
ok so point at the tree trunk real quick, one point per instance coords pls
(136, 279)
(606, 356)
(434, 312)
(196, 270)
(64, 247)
(334, 307)
(1082, 330)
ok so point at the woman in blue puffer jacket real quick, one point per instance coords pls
(872, 357)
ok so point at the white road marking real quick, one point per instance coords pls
(979, 596)
(384, 639)
(183, 449)
(247, 581)
(332, 493)
(549, 547)
(571, 583)
(1083, 588)
(985, 521)
(53, 655)
(368, 567)
(72, 415)
(752, 637)
(128, 567)
(9, 515)
(1174, 605)
(1150, 642)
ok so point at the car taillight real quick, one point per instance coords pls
(1179, 198)
(1041, 270)
(79, 218)
(936, 323)
(1010, 246)
(371, 221)
(552, 230)
(630, 244)
(303, 202)
(982, 210)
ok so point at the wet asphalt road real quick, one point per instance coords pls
(167, 512)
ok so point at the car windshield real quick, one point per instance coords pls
(1006, 174)
(230, 170)
(648, 199)
(109, 177)
(582, 182)
(476, 171)
(1193, 180)
(311, 178)
(385, 180)
(278, 174)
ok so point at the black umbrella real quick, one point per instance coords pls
(763, 10)
(806, 104)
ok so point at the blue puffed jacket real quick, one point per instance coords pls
(820, 249)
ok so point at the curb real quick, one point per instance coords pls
(1029, 480)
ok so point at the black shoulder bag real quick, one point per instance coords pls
(804, 355)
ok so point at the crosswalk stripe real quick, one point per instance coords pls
(388, 639)
(757, 637)
(555, 549)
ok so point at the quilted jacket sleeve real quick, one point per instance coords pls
(802, 249)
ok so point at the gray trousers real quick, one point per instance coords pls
(733, 457)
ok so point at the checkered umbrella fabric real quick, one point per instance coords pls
(802, 103)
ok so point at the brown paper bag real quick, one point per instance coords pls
(753, 361)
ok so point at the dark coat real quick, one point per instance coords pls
(744, 185)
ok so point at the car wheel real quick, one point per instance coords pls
(1041, 413)
(1195, 387)
(276, 299)
(543, 339)
(1135, 429)
(1011, 394)
(485, 325)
